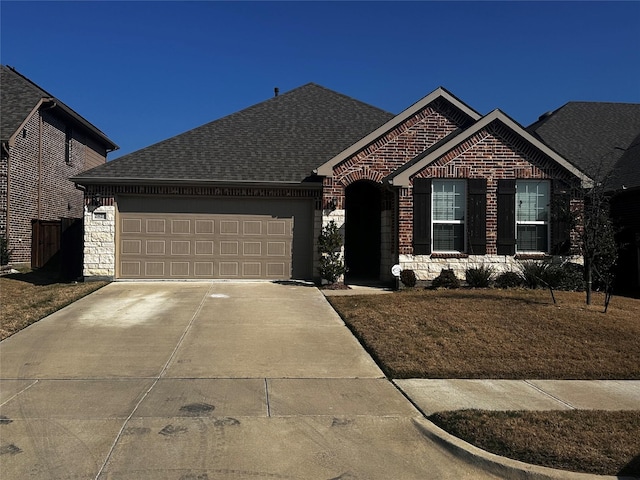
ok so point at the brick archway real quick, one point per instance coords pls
(363, 205)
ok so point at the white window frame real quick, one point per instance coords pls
(461, 221)
(521, 184)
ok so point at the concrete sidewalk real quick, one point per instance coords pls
(432, 396)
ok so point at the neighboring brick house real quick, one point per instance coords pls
(44, 142)
(603, 139)
(436, 186)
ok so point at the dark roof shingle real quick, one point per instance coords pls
(19, 96)
(591, 135)
(280, 140)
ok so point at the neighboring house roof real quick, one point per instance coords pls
(326, 169)
(280, 140)
(627, 170)
(402, 176)
(591, 135)
(20, 97)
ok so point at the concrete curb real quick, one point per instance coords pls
(497, 465)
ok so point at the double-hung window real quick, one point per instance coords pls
(532, 215)
(448, 215)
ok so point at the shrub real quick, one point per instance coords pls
(541, 274)
(572, 277)
(332, 266)
(408, 278)
(479, 277)
(446, 279)
(509, 280)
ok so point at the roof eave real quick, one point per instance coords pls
(326, 169)
(86, 181)
(110, 145)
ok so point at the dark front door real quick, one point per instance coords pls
(362, 231)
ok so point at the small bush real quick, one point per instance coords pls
(479, 277)
(446, 279)
(541, 274)
(332, 266)
(572, 277)
(408, 278)
(509, 280)
(532, 273)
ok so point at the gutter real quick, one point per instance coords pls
(83, 181)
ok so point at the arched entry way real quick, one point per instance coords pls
(363, 203)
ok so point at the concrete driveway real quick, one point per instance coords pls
(206, 381)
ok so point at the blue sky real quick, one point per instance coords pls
(145, 71)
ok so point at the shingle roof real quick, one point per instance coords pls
(627, 169)
(591, 135)
(279, 140)
(19, 96)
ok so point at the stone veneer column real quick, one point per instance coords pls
(99, 243)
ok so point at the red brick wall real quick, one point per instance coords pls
(494, 153)
(40, 189)
(393, 150)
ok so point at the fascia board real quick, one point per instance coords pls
(87, 125)
(403, 179)
(86, 181)
(326, 169)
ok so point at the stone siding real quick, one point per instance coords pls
(427, 267)
(100, 242)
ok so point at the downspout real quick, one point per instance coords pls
(6, 150)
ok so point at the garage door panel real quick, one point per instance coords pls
(155, 247)
(156, 226)
(180, 269)
(180, 247)
(200, 245)
(181, 226)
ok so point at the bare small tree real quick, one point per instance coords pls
(593, 227)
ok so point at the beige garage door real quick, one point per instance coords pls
(158, 245)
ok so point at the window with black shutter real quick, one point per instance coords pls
(506, 235)
(477, 216)
(421, 216)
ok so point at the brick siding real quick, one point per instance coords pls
(41, 189)
(494, 153)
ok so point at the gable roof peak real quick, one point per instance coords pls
(21, 98)
(326, 169)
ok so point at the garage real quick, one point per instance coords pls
(213, 238)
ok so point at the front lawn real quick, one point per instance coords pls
(513, 334)
(30, 296)
(508, 334)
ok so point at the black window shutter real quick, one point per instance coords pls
(477, 216)
(560, 219)
(421, 216)
(506, 242)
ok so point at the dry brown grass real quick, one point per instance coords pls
(513, 334)
(29, 297)
(603, 443)
(494, 333)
